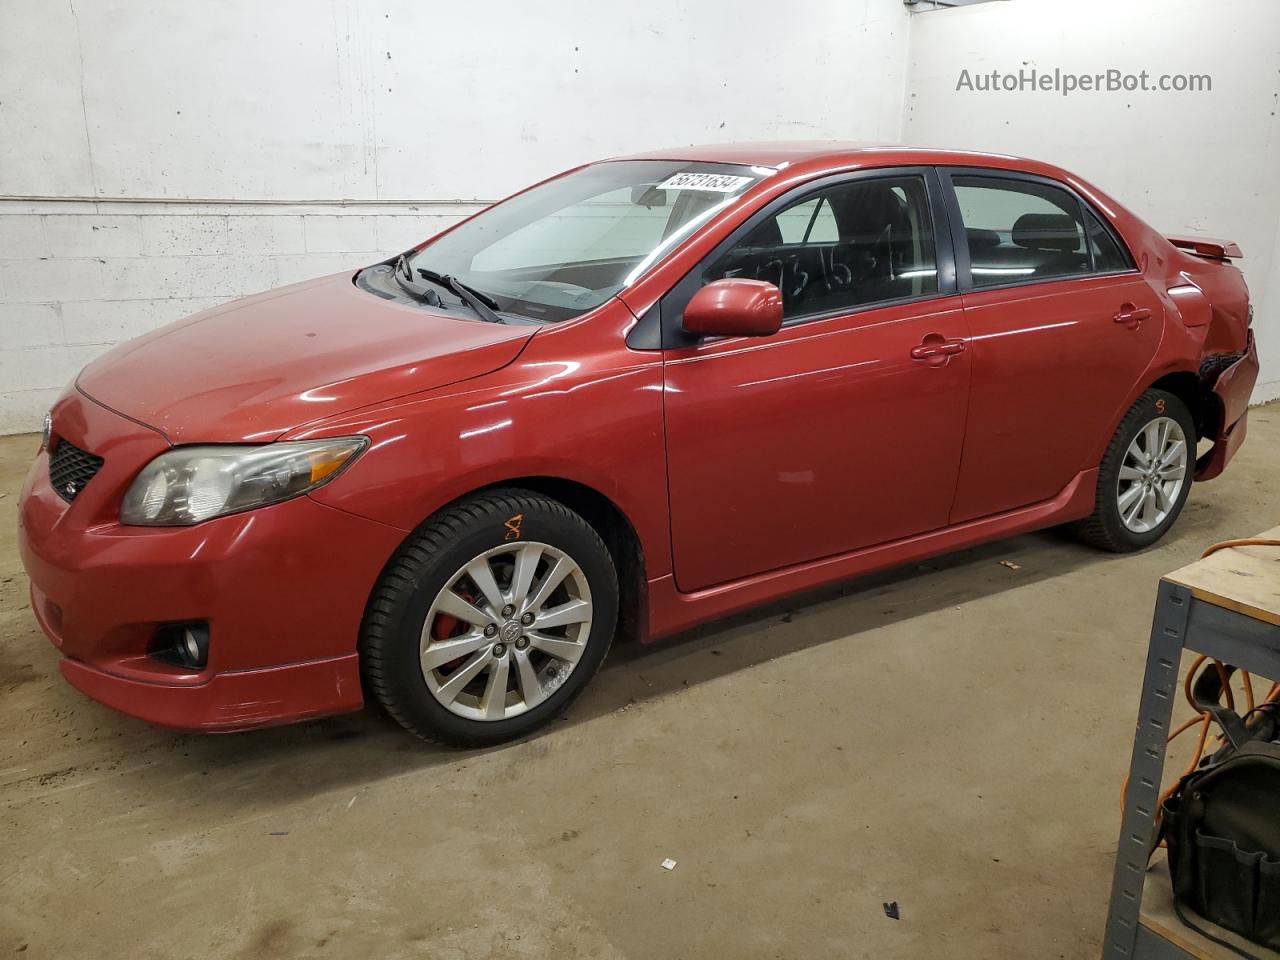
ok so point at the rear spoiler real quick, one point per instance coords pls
(1208, 247)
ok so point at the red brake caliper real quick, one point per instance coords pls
(444, 626)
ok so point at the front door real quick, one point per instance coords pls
(844, 429)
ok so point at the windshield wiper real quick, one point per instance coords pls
(404, 277)
(477, 300)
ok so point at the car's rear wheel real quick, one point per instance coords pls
(490, 619)
(1145, 475)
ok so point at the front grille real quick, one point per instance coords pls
(70, 468)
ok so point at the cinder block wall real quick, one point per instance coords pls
(78, 277)
(1186, 162)
(156, 160)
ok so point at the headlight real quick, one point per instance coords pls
(46, 431)
(191, 484)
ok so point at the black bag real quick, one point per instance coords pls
(1223, 825)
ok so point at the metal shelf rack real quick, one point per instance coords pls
(1226, 606)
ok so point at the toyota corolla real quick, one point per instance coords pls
(634, 397)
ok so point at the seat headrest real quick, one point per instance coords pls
(767, 234)
(1047, 231)
(982, 240)
(868, 208)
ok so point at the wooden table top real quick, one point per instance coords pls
(1244, 579)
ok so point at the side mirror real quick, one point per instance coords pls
(735, 308)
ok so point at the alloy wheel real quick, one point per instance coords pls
(506, 631)
(1152, 474)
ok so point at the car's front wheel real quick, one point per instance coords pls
(490, 619)
(1145, 475)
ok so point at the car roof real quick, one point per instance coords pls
(835, 154)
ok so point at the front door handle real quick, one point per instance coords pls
(936, 350)
(1131, 315)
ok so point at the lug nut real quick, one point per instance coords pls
(522, 643)
(508, 610)
(499, 649)
(490, 630)
(527, 619)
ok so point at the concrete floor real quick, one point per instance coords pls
(950, 736)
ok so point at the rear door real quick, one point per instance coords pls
(845, 428)
(1061, 325)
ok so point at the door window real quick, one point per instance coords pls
(1108, 255)
(1019, 230)
(850, 245)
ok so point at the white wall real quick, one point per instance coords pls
(158, 157)
(1185, 162)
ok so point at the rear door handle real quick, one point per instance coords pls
(936, 349)
(1131, 315)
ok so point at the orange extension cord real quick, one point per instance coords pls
(1205, 720)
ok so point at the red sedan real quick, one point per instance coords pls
(636, 396)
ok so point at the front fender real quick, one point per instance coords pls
(595, 420)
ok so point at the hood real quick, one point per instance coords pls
(254, 369)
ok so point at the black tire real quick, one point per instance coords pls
(423, 566)
(1105, 528)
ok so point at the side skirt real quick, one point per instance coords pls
(671, 611)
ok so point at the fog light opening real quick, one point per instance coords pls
(192, 648)
(186, 644)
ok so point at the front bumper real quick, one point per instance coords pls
(1232, 389)
(282, 588)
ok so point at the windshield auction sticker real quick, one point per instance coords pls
(715, 182)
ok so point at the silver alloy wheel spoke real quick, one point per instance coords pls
(1152, 474)
(1154, 443)
(565, 650)
(481, 575)
(575, 611)
(494, 701)
(506, 631)
(1172, 453)
(1149, 508)
(452, 604)
(1129, 497)
(445, 651)
(526, 566)
(555, 576)
(1131, 517)
(530, 686)
(449, 691)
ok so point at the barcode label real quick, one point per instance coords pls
(715, 182)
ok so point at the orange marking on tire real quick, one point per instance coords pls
(513, 527)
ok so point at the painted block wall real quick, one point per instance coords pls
(157, 158)
(1185, 162)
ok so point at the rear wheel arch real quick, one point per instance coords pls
(1139, 475)
(1199, 399)
(1187, 385)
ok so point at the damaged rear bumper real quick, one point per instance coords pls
(1233, 388)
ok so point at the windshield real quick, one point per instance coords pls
(567, 246)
